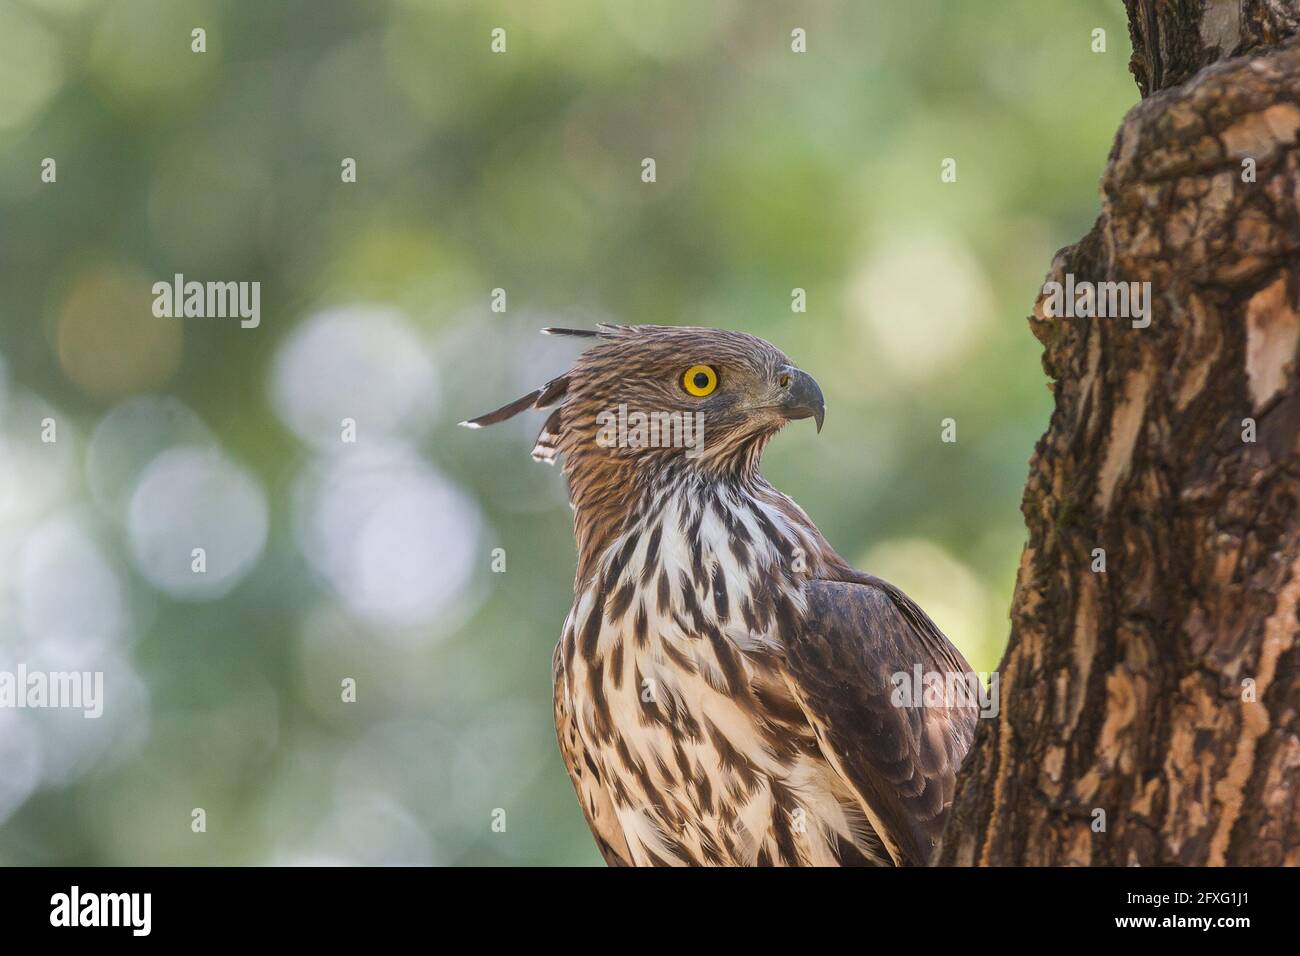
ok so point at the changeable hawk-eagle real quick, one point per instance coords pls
(725, 682)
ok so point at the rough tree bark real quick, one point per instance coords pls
(1165, 691)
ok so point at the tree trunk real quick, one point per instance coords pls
(1150, 710)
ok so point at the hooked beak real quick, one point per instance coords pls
(802, 396)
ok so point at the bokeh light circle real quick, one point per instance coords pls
(190, 498)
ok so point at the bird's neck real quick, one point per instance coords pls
(607, 493)
(699, 510)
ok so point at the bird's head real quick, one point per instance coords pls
(644, 397)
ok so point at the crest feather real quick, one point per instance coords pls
(575, 333)
(543, 397)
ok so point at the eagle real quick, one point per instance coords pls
(726, 686)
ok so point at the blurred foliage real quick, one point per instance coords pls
(475, 171)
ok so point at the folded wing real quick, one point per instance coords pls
(842, 658)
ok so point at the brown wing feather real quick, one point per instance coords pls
(902, 762)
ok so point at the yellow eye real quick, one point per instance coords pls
(700, 380)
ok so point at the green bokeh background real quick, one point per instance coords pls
(477, 171)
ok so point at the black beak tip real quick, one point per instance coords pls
(803, 397)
